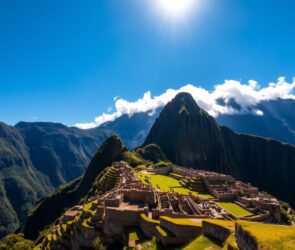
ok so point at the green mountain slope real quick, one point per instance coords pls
(21, 185)
(190, 137)
(70, 194)
(62, 153)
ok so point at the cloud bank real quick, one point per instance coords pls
(230, 97)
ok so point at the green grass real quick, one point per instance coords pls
(234, 209)
(223, 223)
(181, 221)
(231, 241)
(162, 231)
(202, 243)
(269, 236)
(134, 233)
(164, 183)
(144, 217)
(176, 175)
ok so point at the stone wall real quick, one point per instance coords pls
(184, 233)
(141, 196)
(215, 231)
(115, 220)
(245, 240)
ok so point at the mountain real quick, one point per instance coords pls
(35, 158)
(277, 121)
(190, 137)
(78, 190)
(132, 129)
(21, 184)
(62, 153)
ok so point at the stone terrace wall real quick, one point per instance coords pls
(115, 220)
(141, 196)
(182, 232)
(215, 231)
(244, 240)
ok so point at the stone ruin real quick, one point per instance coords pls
(132, 203)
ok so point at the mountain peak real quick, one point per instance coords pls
(188, 135)
(184, 103)
(111, 150)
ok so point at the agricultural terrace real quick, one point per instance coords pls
(266, 235)
(234, 209)
(203, 242)
(165, 183)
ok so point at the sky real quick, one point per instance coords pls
(71, 61)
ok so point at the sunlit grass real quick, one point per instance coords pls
(202, 242)
(271, 236)
(234, 209)
(165, 183)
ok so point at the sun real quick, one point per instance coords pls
(176, 8)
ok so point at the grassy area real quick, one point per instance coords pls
(144, 217)
(234, 209)
(223, 223)
(163, 183)
(134, 234)
(176, 175)
(181, 221)
(203, 243)
(271, 236)
(231, 242)
(162, 231)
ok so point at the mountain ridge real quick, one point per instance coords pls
(194, 139)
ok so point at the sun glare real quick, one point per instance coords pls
(176, 8)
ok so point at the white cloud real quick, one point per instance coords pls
(230, 97)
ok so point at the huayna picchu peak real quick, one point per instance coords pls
(192, 138)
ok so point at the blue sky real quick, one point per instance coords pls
(65, 61)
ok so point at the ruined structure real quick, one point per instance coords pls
(171, 217)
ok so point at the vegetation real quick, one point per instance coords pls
(269, 236)
(21, 185)
(105, 181)
(163, 231)
(133, 159)
(152, 153)
(166, 183)
(178, 176)
(287, 213)
(182, 222)
(223, 223)
(162, 164)
(234, 209)
(16, 242)
(203, 242)
(98, 244)
(144, 217)
(197, 141)
(78, 190)
(134, 234)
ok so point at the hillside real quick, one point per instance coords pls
(70, 194)
(277, 121)
(191, 137)
(62, 153)
(35, 158)
(132, 129)
(141, 208)
(21, 184)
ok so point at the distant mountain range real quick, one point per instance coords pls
(37, 157)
